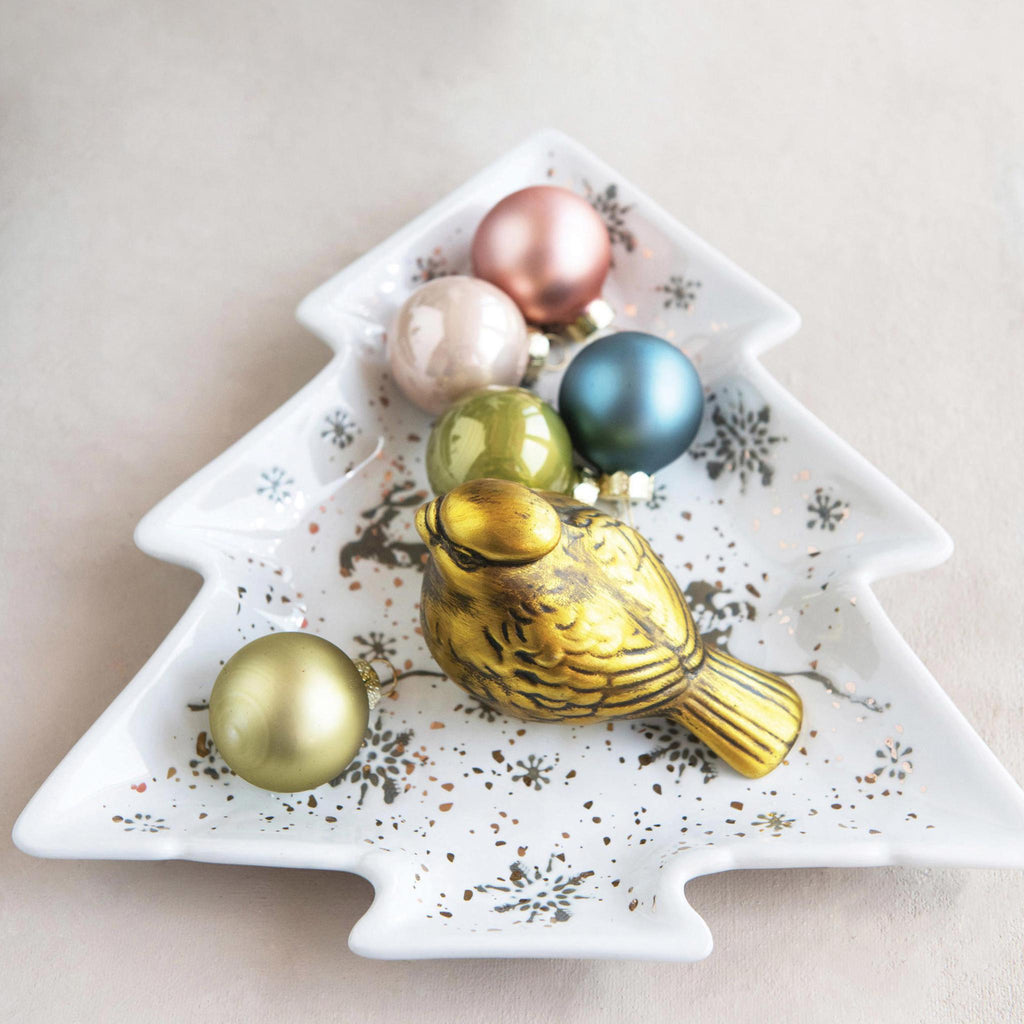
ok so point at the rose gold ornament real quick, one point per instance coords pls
(453, 335)
(548, 249)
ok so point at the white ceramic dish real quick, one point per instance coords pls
(485, 836)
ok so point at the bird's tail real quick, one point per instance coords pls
(748, 717)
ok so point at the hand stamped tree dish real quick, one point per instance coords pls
(492, 836)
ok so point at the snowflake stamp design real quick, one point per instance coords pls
(376, 645)
(140, 823)
(743, 443)
(895, 758)
(827, 511)
(482, 711)
(276, 482)
(381, 763)
(676, 749)
(534, 772)
(680, 292)
(772, 822)
(341, 429)
(613, 213)
(535, 894)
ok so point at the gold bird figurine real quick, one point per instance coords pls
(550, 610)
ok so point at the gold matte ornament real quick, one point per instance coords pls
(289, 711)
(548, 609)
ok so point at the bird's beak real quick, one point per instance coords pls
(429, 528)
(424, 515)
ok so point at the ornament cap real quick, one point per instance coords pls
(588, 490)
(619, 486)
(624, 486)
(597, 316)
(371, 681)
(540, 351)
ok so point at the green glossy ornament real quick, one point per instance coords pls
(504, 433)
(288, 711)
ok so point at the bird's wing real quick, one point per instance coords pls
(629, 566)
(586, 654)
(605, 633)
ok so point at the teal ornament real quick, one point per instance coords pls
(632, 402)
(503, 433)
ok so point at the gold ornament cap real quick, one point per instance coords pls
(540, 352)
(622, 486)
(597, 316)
(588, 488)
(619, 486)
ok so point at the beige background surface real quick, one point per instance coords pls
(175, 176)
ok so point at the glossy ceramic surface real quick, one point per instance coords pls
(486, 836)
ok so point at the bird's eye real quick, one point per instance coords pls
(465, 560)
